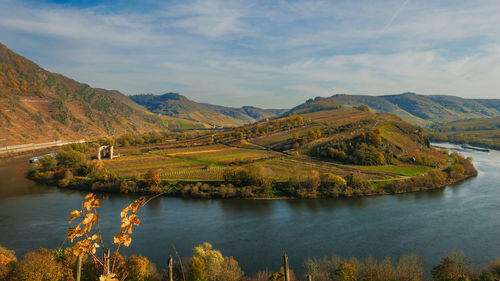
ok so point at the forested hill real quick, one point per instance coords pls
(422, 109)
(37, 105)
(176, 105)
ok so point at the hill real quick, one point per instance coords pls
(37, 106)
(424, 109)
(176, 105)
(328, 153)
(482, 132)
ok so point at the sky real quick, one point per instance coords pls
(272, 54)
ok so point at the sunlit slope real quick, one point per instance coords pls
(37, 105)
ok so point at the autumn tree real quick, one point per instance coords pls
(153, 177)
(70, 158)
(88, 234)
(345, 272)
(41, 265)
(208, 264)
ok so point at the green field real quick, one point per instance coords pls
(403, 170)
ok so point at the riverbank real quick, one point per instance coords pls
(430, 222)
(239, 182)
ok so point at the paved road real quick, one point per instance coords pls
(35, 146)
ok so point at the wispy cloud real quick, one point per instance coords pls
(270, 54)
(389, 23)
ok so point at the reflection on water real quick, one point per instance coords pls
(255, 232)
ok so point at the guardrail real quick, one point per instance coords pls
(35, 146)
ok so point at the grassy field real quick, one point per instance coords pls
(198, 160)
(219, 154)
(403, 170)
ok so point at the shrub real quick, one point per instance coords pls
(153, 177)
(256, 176)
(355, 181)
(369, 155)
(7, 261)
(66, 180)
(305, 186)
(70, 158)
(362, 107)
(209, 264)
(47, 163)
(139, 268)
(345, 272)
(41, 265)
(128, 186)
(408, 268)
(453, 266)
(332, 185)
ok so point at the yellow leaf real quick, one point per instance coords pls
(124, 211)
(73, 215)
(133, 207)
(89, 220)
(92, 203)
(88, 196)
(122, 238)
(74, 232)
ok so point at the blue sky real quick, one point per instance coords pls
(263, 53)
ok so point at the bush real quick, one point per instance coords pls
(408, 268)
(355, 181)
(70, 158)
(41, 265)
(47, 163)
(332, 185)
(7, 262)
(153, 177)
(209, 264)
(66, 180)
(128, 186)
(369, 155)
(254, 176)
(139, 268)
(305, 186)
(453, 266)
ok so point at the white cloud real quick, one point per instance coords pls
(271, 54)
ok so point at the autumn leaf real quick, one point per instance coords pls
(88, 196)
(128, 222)
(133, 207)
(89, 220)
(73, 215)
(123, 239)
(85, 246)
(74, 232)
(91, 204)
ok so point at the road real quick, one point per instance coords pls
(35, 146)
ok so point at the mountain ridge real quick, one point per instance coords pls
(177, 105)
(40, 106)
(420, 109)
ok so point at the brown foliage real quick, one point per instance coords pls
(41, 265)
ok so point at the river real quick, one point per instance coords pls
(465, 216)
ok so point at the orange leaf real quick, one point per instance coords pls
(73, 215)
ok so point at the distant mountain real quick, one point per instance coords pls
(423, 109)
(37, 105)
(176, 105)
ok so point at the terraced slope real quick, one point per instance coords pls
(39, 106)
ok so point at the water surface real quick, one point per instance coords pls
(464, 217)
